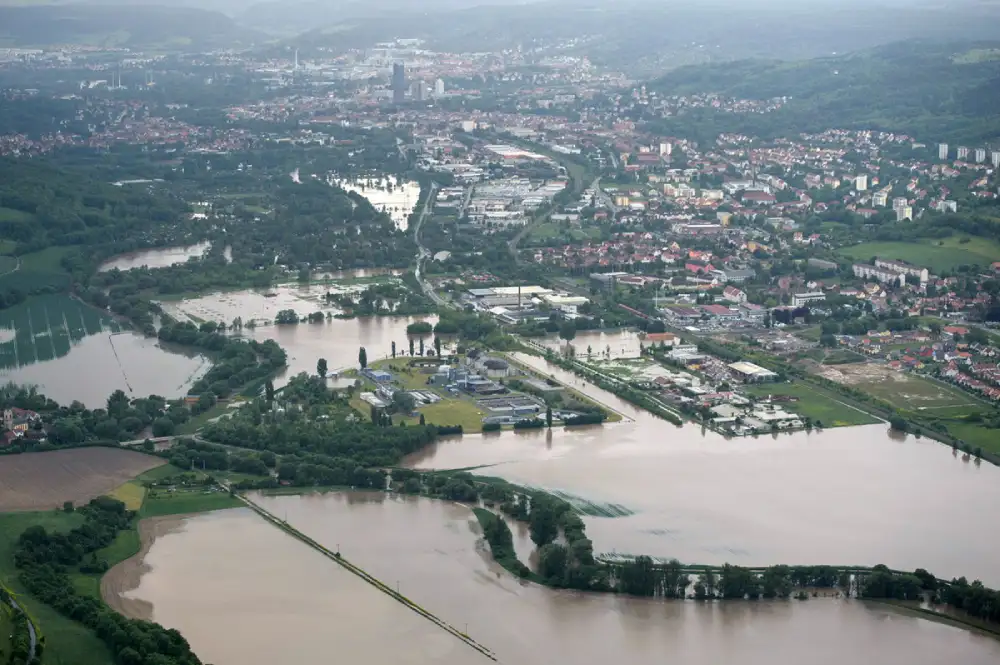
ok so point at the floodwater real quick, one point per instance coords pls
(97, 365)
(337, 340)
(244, 593)
(388, 194)
(854, 496)
(614, 344)
(155, 258)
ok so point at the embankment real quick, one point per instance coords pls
(375, 582)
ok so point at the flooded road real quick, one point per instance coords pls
(845, 496)
(244, 593)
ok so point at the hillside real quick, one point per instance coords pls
(933, 92)
(115, 26)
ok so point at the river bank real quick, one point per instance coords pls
(125, 576)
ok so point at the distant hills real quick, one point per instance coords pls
(117, 25)
(934, 92)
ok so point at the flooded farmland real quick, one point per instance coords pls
(244, 593)
(391, 195)
(337, 340)
(161, 257)
(72, 351)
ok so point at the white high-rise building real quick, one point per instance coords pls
(438, 87)
(963, 153)
(861, 183)
(899, 203)
(980, 155)
(942, 151)
(996, 159)
(880, 199)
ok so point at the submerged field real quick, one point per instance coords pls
(937, 255)
(47, 327)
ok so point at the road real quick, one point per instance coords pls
(423, 253)
(32, 638)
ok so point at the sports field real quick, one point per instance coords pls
(46, 327)
(937, 255)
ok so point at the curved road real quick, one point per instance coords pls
(32, 638)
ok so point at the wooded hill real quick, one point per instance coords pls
(934, 92)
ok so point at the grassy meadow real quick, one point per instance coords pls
(813, 404)
(937, 255)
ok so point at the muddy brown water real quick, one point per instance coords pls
(155, 258)
(845, 496)
(244, 593)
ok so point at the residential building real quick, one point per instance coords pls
(438, 88)
(904, 213)
(905, 268)
(980, 155)
(880, 199)
(946, 206)
(963, 153)
(734, 295)
(803, 299)
(861, 183)
(881, 275)
(942, 151)
(996, 159)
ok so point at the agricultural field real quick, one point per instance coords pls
(131, 494)
(902, 390)
(937, 255)
(182, 501)
(813, 404)
(47, 327)
(40, 481)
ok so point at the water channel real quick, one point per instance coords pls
(244, 593)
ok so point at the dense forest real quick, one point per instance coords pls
(931, 91)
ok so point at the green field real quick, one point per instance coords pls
(914, 393)
(937, 255)
(66, 642)
(552, 230)
(976, 436)
(47, 260)
(46, 327)
(159, 503)
(813, 404)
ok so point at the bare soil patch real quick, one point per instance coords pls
(40, 481)
(126, 575)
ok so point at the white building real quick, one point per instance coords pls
(880, 199)
(881, 275)
(963, 153)
(980, 155)
(942, 151)
(903, 268)
(996, 159)
(946, 205)
(906, 212)
(438, 88)
(861, 183)
(802, 299)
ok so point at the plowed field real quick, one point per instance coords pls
(38, 481)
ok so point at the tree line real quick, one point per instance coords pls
(47, 560)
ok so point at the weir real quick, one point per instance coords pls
(367, 577)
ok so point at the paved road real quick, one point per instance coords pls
(32, 638)
(423, 253)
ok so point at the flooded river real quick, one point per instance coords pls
(842, 496)
(244, 593)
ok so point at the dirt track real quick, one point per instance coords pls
(41, 481)
(126, 575)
